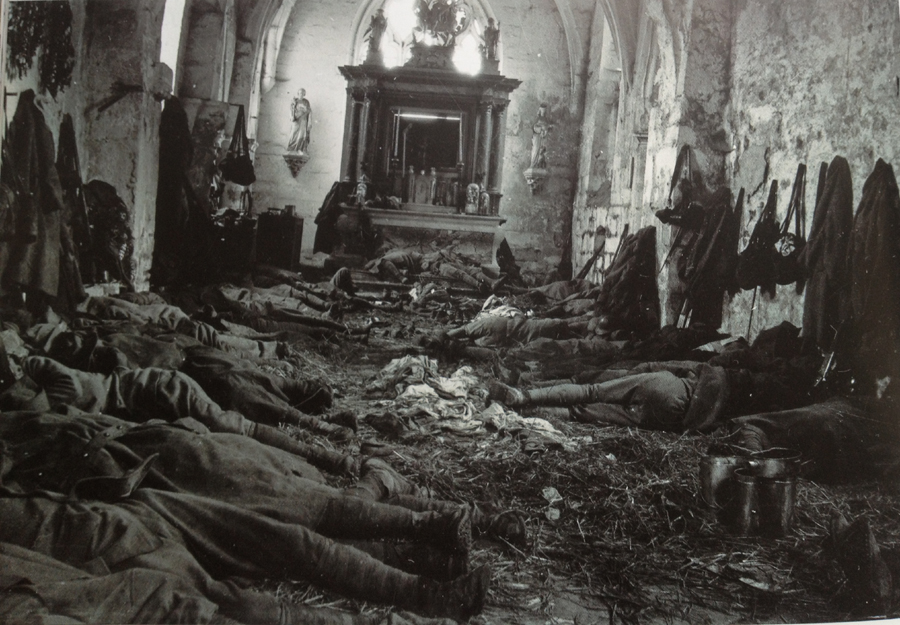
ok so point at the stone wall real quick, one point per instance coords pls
(811, 79)
(318, 39)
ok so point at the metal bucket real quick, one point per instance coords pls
(775, 463)
(776, 505)
(746, 514)
(716, 487)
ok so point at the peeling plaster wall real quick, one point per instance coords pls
(598, 142)
(811, 79)
(317, 40)
(535, 51)
(616, 124)
(678, 93)
(690, 104)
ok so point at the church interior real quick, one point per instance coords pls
(412, 312)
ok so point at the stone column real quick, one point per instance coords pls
(363, 139)
(475, 149)
(498, 141)
(208, 59)
(351, 128)
(483, 163)
(121, 143)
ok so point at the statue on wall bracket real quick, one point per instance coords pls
(538, 171)
(298, 143)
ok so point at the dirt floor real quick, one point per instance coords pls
(617, 530)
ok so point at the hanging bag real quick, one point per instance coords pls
(236, 166)
(685, 213)
(788, 268)
(756, 264)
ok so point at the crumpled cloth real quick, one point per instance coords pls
(403, 371)
(536, 432)
(496, 307)
(431, 403)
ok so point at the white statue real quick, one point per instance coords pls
(541, 129)
(301, 114)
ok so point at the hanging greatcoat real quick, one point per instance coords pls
(825, 258)
(874, 268)
(31, 258)
(74, 227)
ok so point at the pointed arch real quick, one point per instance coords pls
(576, 55)
(623, 18)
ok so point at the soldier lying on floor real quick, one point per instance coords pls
(400, 266)
(495, 330)
(143, 394)
(235, 383)
(57, 339)
(676, 396)
(195, 489)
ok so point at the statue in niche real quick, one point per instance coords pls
(541, 129)
(301, 114)
(491, 39)
(374, 34)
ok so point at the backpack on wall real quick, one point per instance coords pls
(236, 166)
(788, 268)
(756, 264)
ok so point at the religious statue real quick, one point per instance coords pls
(362, 189)
(541, 129)
(491, 39)
(541, 162)
(537, 171)
(432, 190)
(374, 34)
(473, 197)
(301, 113)
(484, 202)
